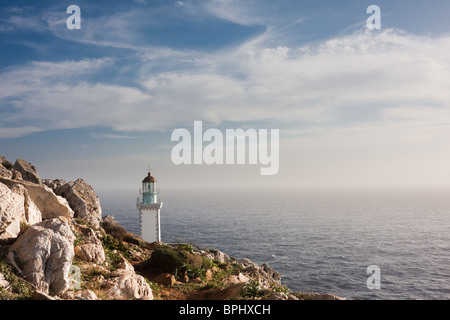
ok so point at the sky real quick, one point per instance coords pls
(354, 107)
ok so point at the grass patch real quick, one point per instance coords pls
(110, 244)
(18, 288)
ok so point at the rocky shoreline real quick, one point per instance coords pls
(55, 244)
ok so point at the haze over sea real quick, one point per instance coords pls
(319, 241)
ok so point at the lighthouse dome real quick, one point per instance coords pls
(149, 178)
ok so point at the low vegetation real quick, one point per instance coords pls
(196, 273)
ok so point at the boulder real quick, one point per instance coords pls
(4, 172)
(268, 271)
(50, 205)
(32, 213)
(235, 279)
(39, 295)
(123, 263)
(90, 249)
(126, 284)
(165, 279)
(85, 294)
(16, 206)
(3, 160)
(278, 296)
(264, 274)
(3, 282)
(43, 255)
(54, 184)
(83, 201)
(12, 213)
(327, 297)
(27, 170)
(230, 292)
(216, 255)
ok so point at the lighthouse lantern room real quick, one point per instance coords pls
(149, 205)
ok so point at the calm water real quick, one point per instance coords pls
(319, 241)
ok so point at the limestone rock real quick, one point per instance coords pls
(44, 253)
(80, 295)
(90, 249)
(3, 160)
(86, 295)
(32, 213)
(235, 279)
(278, 296)
(12, 212)
(264, 274)
(3, 282)
(27, 170)
(123, 263)
(327, 296)
(15, 207)
(4, 172)
(54, 184)
(50, 205)
(39, 295)
(270, 272)
(216, 255)
(165, 279)
(126, 284)
(83, 201)
(230, 292)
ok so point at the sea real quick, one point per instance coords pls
(320, 241)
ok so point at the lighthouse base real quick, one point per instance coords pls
(149, 221)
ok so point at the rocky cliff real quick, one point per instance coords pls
(55, 244)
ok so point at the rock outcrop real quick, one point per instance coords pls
(83, 200)
(126, 284)
(264, 274)
(5, 172)
(16, 207)
(50, 205)
(90, 249)
(27, 171)
(43, 255)
(12, 212)
(3, 282)
(58, 246)
(54, 184)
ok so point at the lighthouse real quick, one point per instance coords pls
(149, 205)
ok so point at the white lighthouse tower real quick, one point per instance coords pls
(149, 205)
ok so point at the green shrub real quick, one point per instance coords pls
(208, 263)
(177, 261)
(114, 229)
(19, 289)
(252, 290)
(187, 247)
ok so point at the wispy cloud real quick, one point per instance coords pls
(111, 136)
(359, 79)
(17, 131)
(22, 19)
(246, 12)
